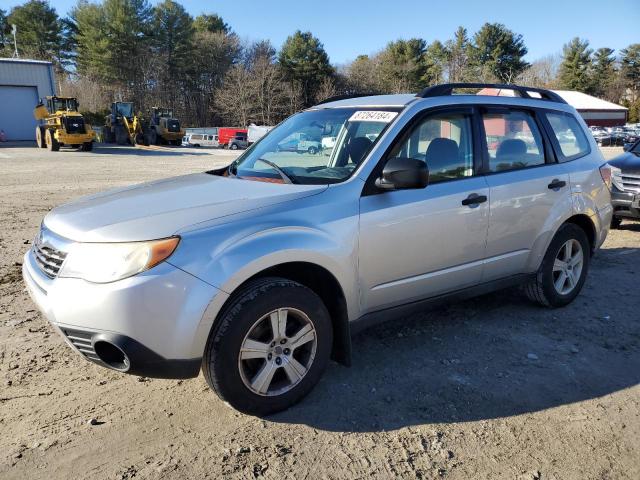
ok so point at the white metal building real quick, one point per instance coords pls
(22, 84)
(595, 111)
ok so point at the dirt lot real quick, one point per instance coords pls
(490, 388)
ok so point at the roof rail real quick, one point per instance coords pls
(447, 89)
(347, 96)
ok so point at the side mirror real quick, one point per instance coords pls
(402, 173)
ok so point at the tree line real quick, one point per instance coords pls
(162, 56)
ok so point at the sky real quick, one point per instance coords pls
(348, 28)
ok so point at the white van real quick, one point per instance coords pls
(202, 140)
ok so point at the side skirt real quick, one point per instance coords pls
(398, 312)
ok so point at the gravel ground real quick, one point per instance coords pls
(493, 387)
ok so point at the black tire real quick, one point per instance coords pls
(312, 150)
(87, 146)
(52, 144)
(153, 137)
(615, 222)
(233, 146)
(176, 143)
(121, 136)
(541, 288)
(220, 363)
(40, 134)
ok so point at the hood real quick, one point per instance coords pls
(627, 162)
(161, 208)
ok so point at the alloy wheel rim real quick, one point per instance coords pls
(277, 352)
(567, 267)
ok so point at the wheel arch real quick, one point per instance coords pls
(586, 224)
(324, 284)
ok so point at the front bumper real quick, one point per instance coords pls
(74, 138)
(622, 203)
(159, 319)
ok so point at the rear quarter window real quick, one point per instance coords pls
(569, 135)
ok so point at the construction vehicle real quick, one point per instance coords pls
(123, 126)
(62, 125)
(164, 127)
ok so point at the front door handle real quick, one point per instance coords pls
(474, 199)
(556, 184)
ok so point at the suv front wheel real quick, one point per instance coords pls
(563, 270)
(269, 347)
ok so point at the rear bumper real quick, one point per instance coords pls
(158, 320)
(622, 205)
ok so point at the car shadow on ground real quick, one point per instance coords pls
(151, 151)
(490, 357)
(630, 226)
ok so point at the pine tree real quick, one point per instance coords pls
(305, 62)
(575, 69)
(630, 68)
(498, 53)
(603, 72)
(39, 31)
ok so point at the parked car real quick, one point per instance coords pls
(256, 132)
(202, 140)
(625, 195)
(226, 134)
(300, 143)
(239, 141)
(611, 139)
(259, 272)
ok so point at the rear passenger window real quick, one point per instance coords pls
(513, 140)
(444, 142)
(571, 139)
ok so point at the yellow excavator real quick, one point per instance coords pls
(123, 126)
(62, 125)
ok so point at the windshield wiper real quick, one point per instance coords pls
(285, 177)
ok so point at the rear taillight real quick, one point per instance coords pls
(606, 174)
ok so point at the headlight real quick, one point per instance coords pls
(108, 262)
(616, 178)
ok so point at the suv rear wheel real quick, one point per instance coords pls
(563, 270)
(270, 346)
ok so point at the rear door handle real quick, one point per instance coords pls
(556, 184)
(474, 199)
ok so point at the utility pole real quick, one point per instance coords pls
(15, 42)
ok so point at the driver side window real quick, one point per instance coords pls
(444, 142)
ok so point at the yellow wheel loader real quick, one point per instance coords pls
(62, 125)
(164, 127)
(123, 126)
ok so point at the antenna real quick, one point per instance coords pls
(14, 29)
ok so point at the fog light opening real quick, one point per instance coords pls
(112, 355)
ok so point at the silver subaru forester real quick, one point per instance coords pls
(346, 214)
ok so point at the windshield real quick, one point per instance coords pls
(125, 109)
(64, 104)
(315, 146)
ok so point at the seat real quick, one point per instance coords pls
(510, 153)
(442, 155)
(511, 147)
(358, 148)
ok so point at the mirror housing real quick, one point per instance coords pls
(403, 173)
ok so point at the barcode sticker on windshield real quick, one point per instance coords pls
(373, 116)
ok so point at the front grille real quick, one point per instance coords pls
(631, 183)
(173, 125)
(74, 125)
(48, 258)
(82, 341)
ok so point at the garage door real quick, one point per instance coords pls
(16, 112)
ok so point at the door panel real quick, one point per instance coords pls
(420, 243)
(528, 190)
(522, 205)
